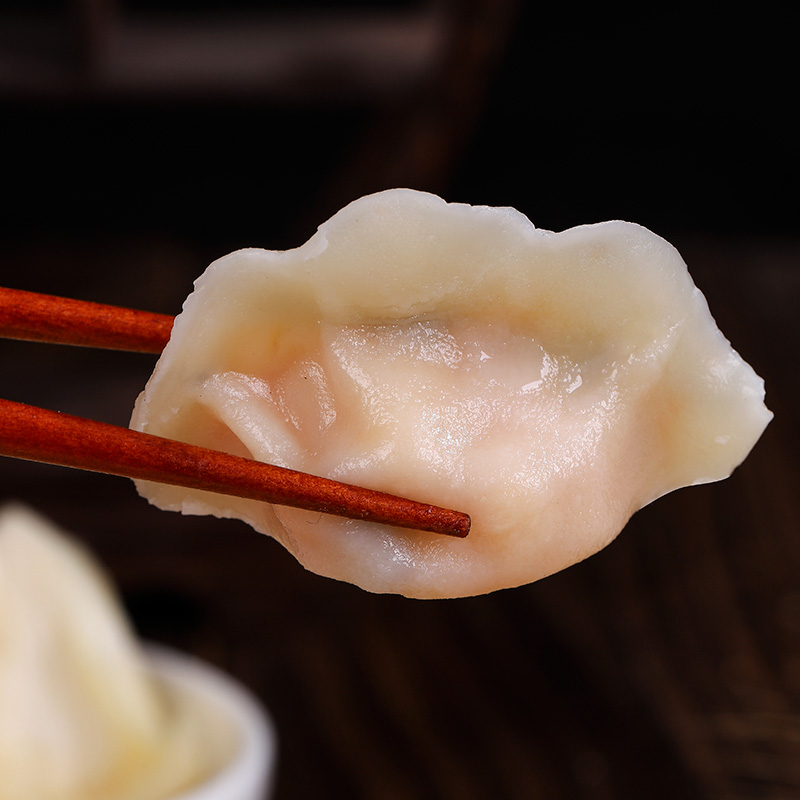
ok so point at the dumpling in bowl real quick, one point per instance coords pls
(547, 384)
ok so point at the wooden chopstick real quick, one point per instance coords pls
(36, 434)
(61, 320)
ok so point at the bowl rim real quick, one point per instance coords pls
(251, 770)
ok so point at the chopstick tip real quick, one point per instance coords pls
(457, 524)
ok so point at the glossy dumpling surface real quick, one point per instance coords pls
(548, 384)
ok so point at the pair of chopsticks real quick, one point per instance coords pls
(36, 434)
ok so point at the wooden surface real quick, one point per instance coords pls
(667, 666)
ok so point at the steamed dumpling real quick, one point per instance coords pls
(547, 384)
(81, 715)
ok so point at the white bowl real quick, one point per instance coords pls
(249, 773)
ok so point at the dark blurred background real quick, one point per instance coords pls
(143, 139)
(249, 123)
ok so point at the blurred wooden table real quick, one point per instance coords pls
(667, 666)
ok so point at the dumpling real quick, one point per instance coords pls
(547, 384)
(81, 715)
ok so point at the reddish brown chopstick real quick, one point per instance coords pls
(35, 434)
(61, 320)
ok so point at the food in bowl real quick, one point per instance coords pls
(86, 713)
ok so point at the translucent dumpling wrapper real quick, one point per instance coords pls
(548, 384)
